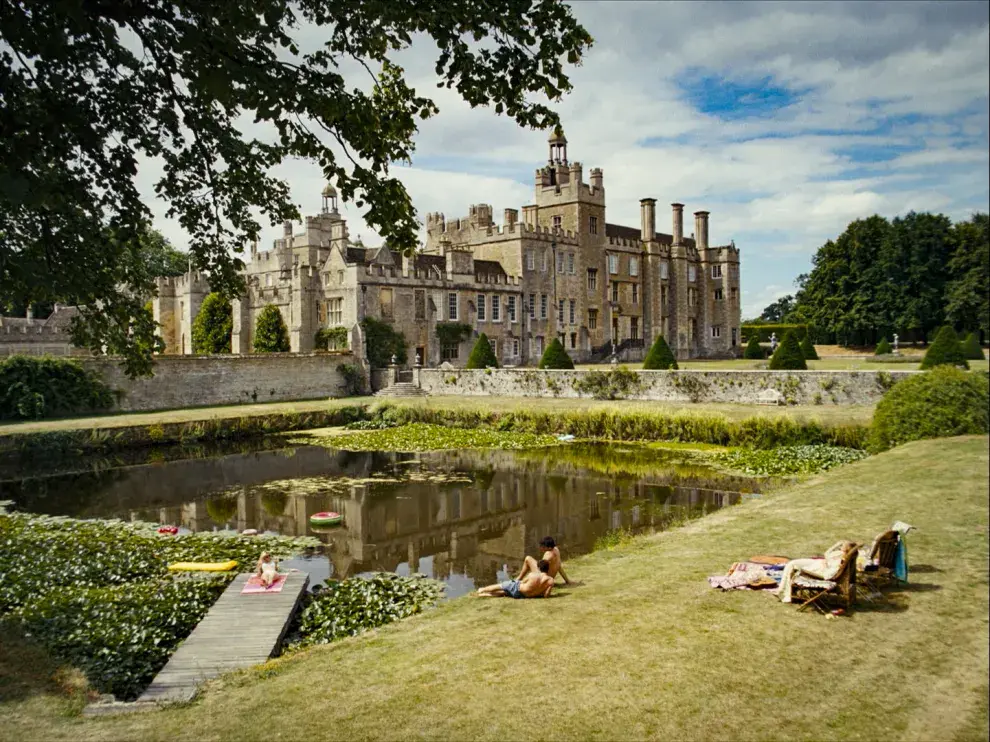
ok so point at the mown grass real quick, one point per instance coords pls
(643, 648)
(825, 364)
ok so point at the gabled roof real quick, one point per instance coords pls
(425, 261)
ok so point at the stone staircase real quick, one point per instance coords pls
(401, 389)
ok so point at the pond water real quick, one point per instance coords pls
(467, 518)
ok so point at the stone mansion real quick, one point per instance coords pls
(558, 270)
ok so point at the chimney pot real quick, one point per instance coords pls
(701, 229)
(678, 214)
(648, 219)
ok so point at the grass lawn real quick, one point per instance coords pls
(850, 414)
(643, 648)
(825, 364)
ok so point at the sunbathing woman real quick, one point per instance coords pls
(267, 569)
(825, 568)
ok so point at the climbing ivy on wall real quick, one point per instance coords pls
(452, 333)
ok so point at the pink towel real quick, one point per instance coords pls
(253, 585)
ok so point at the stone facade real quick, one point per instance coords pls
(33, 336)
(560, 271)
(734, 387)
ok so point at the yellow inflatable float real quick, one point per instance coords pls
(202, 566)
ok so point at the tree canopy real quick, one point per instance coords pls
(908, 276)
(270, 333)
(212, 328)
(91, 91)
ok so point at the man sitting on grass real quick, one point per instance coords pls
(534, 585)
(551, 554)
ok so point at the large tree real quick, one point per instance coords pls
(90, 88)
(968, 290)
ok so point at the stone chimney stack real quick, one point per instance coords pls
(510, 217)
(678, 213)
(701, 229)
(287, 229)
(648, 219)
(597, 180)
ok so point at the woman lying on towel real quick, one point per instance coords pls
(267, 569)
(825, 568)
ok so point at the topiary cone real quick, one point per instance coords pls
(555, 356)
(808, 349)
(883, 348)
(482, 356)
(270, 334)
(945, 351)
(788, 356)
(754, 351)
(972, 349)
(660, 357)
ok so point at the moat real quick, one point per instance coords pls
(465, 517)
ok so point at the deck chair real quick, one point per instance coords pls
(883, 554)
(842, 586)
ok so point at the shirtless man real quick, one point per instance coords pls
(551, 554)
(534, 585)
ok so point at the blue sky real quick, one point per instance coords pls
(785, 120)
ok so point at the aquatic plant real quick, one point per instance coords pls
(97, 594)
(426, 437)
(354, 605)
(787, 460)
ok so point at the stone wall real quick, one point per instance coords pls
(740, 387)
(202, 381)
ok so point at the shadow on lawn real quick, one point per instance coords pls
(26, 670)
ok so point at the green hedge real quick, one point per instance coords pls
(212, 328)
(660, 357)
(763, 332)
(555, 357)
(972, 349)
(945, 351)
(788, 356)
(270, 333)
(482, 356)
(32, 388)
(808, 349)
(754, 351)
(943, 402)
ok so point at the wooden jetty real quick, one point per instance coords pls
(237, 632)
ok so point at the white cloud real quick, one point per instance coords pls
(913, 75)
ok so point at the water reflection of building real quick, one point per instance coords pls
(472, 529)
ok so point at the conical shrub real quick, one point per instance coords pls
(213, 325)
(945, 351)
(555, 356)
(788, 356)
(972, 349)
(482, 355)
(883, 348)
(754, 351)
(270, 334)
(808, 349)
(660, 357)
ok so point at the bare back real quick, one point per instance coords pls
(553, 557)
(536, 585)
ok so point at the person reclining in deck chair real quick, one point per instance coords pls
(534, 585)
(824, 568)
(551, 554)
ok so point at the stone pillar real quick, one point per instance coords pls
(415, 372)
(648, 219)
(393, 372)
(701, 229)
(678, 226)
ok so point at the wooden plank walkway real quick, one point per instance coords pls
(237, 632)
